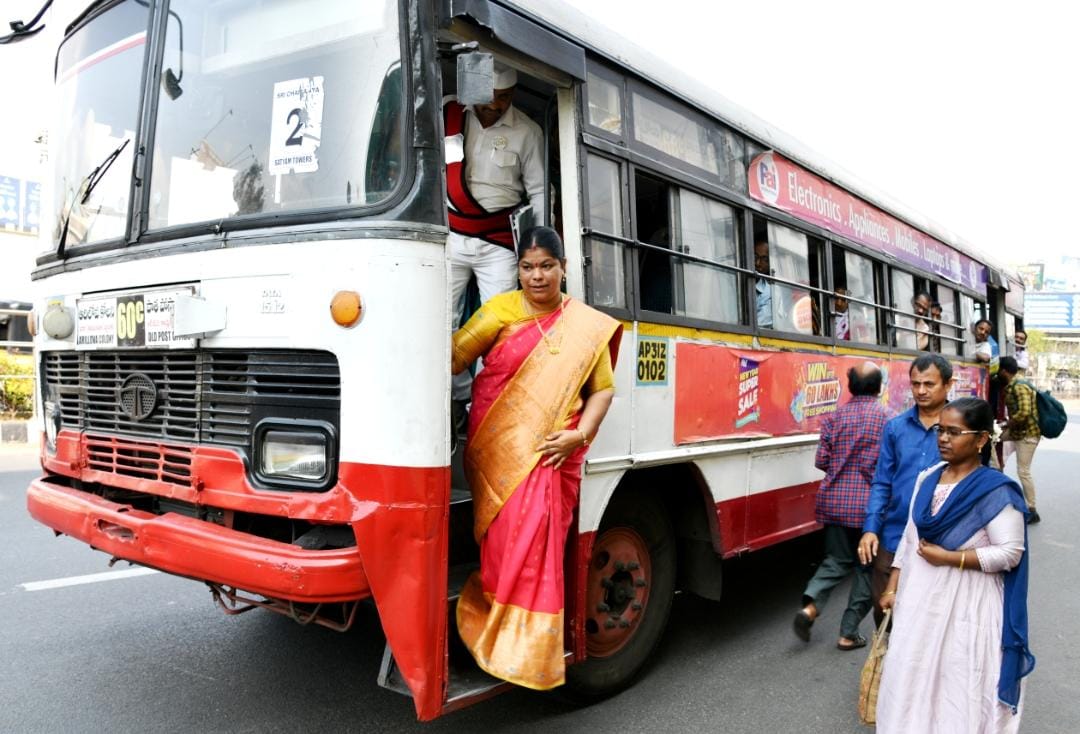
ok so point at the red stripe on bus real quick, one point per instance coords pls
(766, 518)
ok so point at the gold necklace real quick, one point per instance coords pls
(552, 348)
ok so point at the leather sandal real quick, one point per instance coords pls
(851, 643)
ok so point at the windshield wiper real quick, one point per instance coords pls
(87, 186)
(21, 30)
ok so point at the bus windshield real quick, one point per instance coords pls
(272, 106)
(262, 108)
(98, 72)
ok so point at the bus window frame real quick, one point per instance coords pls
(924, 280)
(636, 245)
(834, 247)
(956, 329)
(589, 234)
(620, 82)
(411, 38)
(633, 155)
(647, 152)
(684, 257)
(819, 291)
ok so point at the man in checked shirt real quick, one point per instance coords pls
(848, 454)
(1022, 428)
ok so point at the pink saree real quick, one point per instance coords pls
(510, 614)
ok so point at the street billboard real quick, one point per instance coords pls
(1052, 311)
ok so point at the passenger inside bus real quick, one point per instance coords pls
(920, 304)
(935, 327)
(841, 324)
(791, 256)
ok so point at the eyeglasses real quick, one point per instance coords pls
(950, 432)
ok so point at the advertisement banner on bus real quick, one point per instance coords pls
(722, 392)
(778, 182)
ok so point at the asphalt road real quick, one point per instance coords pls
(152, 654)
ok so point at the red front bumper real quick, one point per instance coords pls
(199, 549)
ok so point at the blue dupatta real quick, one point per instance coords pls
(974, 502)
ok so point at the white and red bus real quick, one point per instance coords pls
(243, 333)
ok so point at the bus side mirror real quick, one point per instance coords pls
(475, 78)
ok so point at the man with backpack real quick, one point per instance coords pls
(1022, 428)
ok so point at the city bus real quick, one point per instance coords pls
(243, 332)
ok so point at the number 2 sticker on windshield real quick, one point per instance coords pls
(296, 130)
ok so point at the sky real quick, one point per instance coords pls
(967, 112)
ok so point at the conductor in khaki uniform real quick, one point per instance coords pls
(494, 165)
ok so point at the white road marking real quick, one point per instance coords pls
(90, 578)
(1058, 543)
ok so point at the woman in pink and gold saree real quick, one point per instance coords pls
(545, 387)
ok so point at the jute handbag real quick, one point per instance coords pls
(871, 671)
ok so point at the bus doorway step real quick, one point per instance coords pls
(466, 682)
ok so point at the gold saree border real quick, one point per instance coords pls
(535, 402)
(510, 642)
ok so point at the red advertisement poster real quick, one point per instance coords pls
(722, 392)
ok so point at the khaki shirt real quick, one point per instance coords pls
(504, 161)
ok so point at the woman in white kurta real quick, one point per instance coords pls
(958, 647)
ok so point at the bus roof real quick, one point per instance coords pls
(602, 41)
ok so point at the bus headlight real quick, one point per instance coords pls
(302, 455)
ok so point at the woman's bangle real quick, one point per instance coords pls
(963, 554)
(584, 438)
(887, 593)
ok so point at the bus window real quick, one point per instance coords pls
(970, 311)
(707, 229)
(675, 134)
(652, 207)
(853, 276)
(689, 139)
(791, 257)
(607, 283)
(946, 301)
(605, 104)
(732, 149)
(1010, 335)
(903, 294)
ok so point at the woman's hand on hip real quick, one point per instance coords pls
(558, 446)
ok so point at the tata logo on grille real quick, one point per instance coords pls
(138, 396)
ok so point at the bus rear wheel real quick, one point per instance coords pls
(629, 587)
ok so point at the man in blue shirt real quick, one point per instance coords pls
(908, 445)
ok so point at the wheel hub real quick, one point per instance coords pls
(617, 590)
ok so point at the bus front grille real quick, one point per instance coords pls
(199, 396)
(139, 459)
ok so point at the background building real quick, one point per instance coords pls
(1052, 319)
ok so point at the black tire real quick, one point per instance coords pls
(634, 519)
